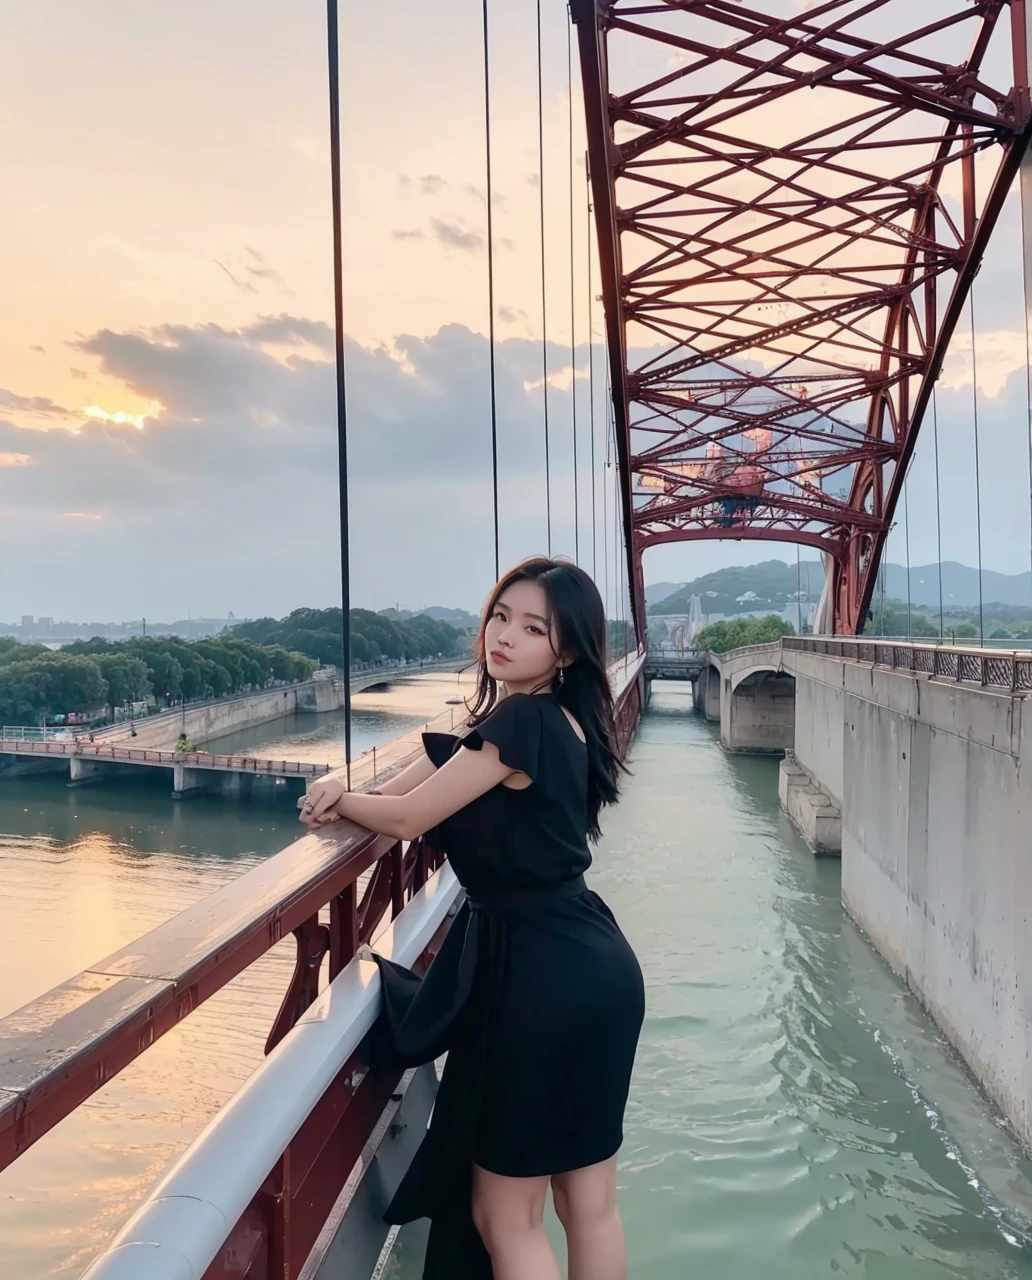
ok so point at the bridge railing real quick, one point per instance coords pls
(59, 1049)
(154, 756)
(1009, 670)
(251, 1195)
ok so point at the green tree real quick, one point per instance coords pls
(125, 677)
(737, 633)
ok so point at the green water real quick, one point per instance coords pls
(793, 1114)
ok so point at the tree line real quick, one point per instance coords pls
(37, 682)
(374, 638)
(736, 633)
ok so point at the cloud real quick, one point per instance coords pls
(78, 373)
(432, 184)
(36, 347)
(287, 329)
(30, 404)
(16, 460)
(243, 285)
(454, 236)
(511, 315)
(242, 465)
(400, 233)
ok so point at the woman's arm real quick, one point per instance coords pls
(467, 775)
(408, 779)
(334, 785)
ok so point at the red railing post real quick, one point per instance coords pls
(343, 928)
(313, 942)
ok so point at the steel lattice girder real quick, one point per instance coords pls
(788, 227)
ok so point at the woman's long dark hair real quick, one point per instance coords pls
(576, 611)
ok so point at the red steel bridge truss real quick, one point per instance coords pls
(791, 199)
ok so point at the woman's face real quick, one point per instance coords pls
(519, 644)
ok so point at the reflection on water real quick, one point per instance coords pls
(793, 1114)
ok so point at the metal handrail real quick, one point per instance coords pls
(1005, 669)
(181, 1227)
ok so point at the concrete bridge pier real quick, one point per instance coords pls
(187, 782)
(757, 712)
(83, 772)
(706, 693)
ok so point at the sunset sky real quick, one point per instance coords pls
(167, 415)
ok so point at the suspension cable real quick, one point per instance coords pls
(978, 484)
(605, 496)
(573, 312)
(906, 532)
(938, 513)
(544, 291)
(1026, 213)
(333, 68)
(591, 382)
(799, 589)
(884, 575)
(490, 282)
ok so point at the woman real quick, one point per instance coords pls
(536, 995)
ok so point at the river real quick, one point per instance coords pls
(793, 1115)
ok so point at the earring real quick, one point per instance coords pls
(561, 677)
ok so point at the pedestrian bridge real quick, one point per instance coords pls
(192, 771)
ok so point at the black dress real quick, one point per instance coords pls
(536, 994)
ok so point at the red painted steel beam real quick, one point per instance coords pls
(789, 225)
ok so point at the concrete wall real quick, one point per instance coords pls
(216, 719)
(936, 801)
(818, 732)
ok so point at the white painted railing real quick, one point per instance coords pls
(177, 1233)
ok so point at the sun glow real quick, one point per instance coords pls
(122, 419)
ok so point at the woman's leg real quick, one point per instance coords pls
(585, 1201)
(508, 1214)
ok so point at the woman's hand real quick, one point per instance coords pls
(319, 806)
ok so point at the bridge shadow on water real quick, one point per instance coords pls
(794, 1113)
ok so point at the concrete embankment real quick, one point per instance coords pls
(208, 721)
(932, 781)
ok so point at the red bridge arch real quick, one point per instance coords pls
(790, 214)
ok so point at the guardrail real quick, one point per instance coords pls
(219, 1179)
(989, 668)
(251, 1195)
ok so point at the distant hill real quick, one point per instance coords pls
(745, 587)
(660, 590)
(454, 617)
(959, 585)
(774, 583)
